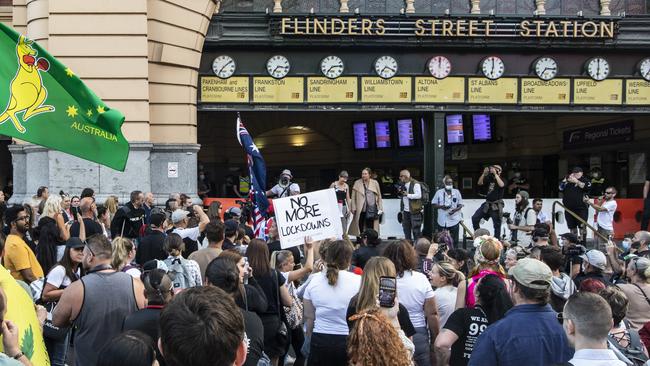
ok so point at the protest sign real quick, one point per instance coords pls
(314, 214)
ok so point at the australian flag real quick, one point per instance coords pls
(257, 174)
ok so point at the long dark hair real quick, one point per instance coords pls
(493, 297)
(70, 266)
(48, 238)
(258, 257)
(403, 255)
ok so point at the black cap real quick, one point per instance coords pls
(232, 226)
(576, 169)
(571, 237)
(74, 242)
(157, 219)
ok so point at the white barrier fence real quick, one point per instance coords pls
(391, 228)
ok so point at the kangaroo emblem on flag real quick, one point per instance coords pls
(27, 90)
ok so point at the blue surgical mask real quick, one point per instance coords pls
(626, 243)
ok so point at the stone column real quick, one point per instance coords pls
(476, 7)
(410, 6)
(182, 155)
(277, 6)
(604, 7)
(541, 8)
(344, 7)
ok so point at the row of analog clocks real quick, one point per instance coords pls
(492, 67)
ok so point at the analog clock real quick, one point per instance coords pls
(545, 68)
(386, 67)
(493, 67)
(278, 66)
(597, 68)
(224, 66)
(332, 66)
(439, 67)
(644, 68)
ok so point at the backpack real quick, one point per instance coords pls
(426, 193)
(178, 271)
(634, 351)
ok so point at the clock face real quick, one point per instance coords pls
(278, 66)
(332, 67)
(644, 68)
(493, 67)
(598, 68)
(386, 67)
(545, 68)
(224, 66)
(439, 67)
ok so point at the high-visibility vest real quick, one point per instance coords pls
(244, 185)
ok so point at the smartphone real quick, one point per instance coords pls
(387, 291)
(247, 270)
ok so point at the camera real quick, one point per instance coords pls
(442, 248)
(574, 250)
(506, 215)
(400, 188)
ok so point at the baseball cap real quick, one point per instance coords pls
(596, 258)
(231, 227)
(571, 237)
(74, 242)
(157, 219)
(576, 169)
(179, 215)
(235, 211)
(287, 172)
(532, 273)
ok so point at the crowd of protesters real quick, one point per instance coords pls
(137, 284)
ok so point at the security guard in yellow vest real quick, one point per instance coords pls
(244, 185)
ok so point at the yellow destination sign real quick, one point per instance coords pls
(432, 90)
(486, 91)
(536, 91)
(232, 90)
(637, 92)
(324, 90)
(378, 90)
(270, 90)
(587, 91)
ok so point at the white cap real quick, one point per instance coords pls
(287, 172)
(179, 215)
(595, 258)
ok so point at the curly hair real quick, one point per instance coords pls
(373, 331)
(403, 255)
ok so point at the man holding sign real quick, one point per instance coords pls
(314, 214)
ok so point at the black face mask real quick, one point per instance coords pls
(635, 245)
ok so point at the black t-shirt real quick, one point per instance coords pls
(467, 324)
(92, 228)
(255, 334)
(146, 321)
(493, 191)
(151, 247)
(402, 317)
(270, 283)
(573, 195)
(596, 276)
(363, 254)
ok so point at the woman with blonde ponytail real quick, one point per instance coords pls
(326, 300)
(123, 256)
(445, 278)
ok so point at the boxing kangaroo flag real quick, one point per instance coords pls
(45, 103)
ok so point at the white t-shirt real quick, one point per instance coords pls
(58, 278)
(193, 233)
(416, 195)
(443, 199)
(413, 288)
(446, 302)
(605, 219)
(293, 189)
(524, 238)
(331, 302)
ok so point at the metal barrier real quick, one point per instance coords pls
(595, 231)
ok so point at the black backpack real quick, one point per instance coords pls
(634, 350)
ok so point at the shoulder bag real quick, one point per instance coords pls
(371, 211)
(293, 313)
(51, 331)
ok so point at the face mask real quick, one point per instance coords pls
(595, 175)
(449, 187)
(517, 175)
(626, 244)
(201, 177)
(636, 245)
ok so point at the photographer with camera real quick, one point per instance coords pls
(493, 205)
(411, 205)
(285, 187)
(574, 188)
(449, 202)
(523, 223)
(190, 235)
(605, 218)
